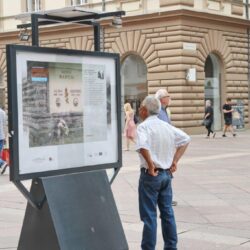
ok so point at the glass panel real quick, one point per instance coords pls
(238, 115)
(57, 95)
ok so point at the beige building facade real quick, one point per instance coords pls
(198, 50)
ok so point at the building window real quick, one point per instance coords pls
(78, 2)
(33, 5)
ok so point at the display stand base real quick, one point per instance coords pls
(78, 214)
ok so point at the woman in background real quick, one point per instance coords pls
(130, 127)
(208, 118)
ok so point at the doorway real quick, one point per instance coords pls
(134, 82)
(213, 87)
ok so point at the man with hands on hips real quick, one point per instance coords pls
(160, 146)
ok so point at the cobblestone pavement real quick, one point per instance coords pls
(211, 186)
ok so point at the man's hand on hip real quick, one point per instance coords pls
(173, 167)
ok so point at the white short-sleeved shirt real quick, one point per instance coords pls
(161, 140)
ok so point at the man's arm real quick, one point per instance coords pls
(207, 115)
(178, 154)
(151, 167)
(226, 111)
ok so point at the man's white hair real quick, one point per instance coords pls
(152, 104)
(160, 93)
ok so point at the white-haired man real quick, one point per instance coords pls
(160, 146)
(163, 96)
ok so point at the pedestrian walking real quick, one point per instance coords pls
(3, 132)
(130, 127)
(164, 97)
(227, 110)
(160, 147)
(209, 118)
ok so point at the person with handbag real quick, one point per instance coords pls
(3, 132)
(208, 119)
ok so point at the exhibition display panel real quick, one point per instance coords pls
(64, 111)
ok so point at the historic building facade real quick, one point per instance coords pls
(198, 50)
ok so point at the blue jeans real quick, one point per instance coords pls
(155, 191)
(1, 149)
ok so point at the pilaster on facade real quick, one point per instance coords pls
(3, 80)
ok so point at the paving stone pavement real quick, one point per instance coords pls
(211, 186)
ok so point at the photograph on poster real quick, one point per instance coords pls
(67, 111)
(52, 103)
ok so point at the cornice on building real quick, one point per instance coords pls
(209, 17)
(144, 19)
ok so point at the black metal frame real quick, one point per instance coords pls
(13, 112)
(50, 19)
(12, 93)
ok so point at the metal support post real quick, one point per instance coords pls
(97, 32)
(35, 30)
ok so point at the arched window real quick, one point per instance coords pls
(134, 81)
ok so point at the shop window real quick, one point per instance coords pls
(208, 67)
(33, 5)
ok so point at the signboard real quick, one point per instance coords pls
(63, 111)
(191, 75)
(189, 46)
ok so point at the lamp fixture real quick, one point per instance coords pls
(117, 22)
(24, 35)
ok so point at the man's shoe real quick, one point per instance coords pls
(174, 203)
(234, 135)
(224, 135)
(4, 166)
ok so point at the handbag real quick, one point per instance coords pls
(6, 155)
(206, 122)
(136, 120)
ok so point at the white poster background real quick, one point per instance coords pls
(56, 157)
